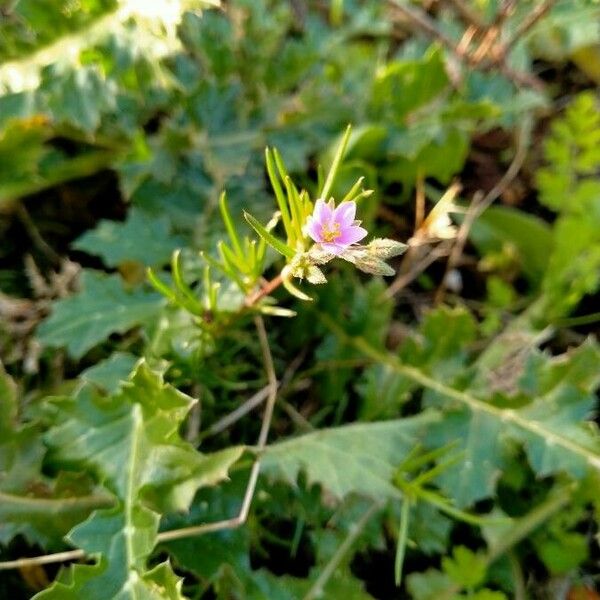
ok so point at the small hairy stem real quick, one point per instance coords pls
(265, 290)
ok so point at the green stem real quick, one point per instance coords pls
(505, 415)
(402, 539)
(316, 591)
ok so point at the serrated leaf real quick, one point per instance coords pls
(556, 433)
(78, 96)
(32, 504)
(129, 441)
(103, 306)
(480, 446)
(465, 568)
(141, 238)
(109, 373)
(359, 458)
(429, 585)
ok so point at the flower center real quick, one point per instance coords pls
(331, 232)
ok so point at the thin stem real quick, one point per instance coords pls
(403, 279)
(481, 203)
(46, 559)
(470, 16)
(271, 379)
(402, 540)
(33, 232)
(265, 290)
(428, 25)
(528, 22)
(240, 519)
(505, 415)
(241, 411)
(316, 591)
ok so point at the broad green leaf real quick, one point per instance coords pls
(557, 397)
(77, 97)
(465, 568)
(480, 447)
(528, 234)
(8, 403)
(359, 458)
(111, 372)
(129, 441)
(429, 585)
(406, 85)
(555, 429)
(49, 20)
(32, 504)
(141, 238)
(102, 307)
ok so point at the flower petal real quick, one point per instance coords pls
(333, 248)
(314, 229)
(322, 212)
(344, 214)
(351, 235)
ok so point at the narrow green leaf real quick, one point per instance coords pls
(337, 159)
(274, 242)
(279, 195)
(190, 300)
(229, 225)
(402, 540)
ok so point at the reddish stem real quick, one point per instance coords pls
(265, 290)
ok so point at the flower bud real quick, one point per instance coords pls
(385, 248)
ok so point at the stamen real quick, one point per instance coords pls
(331, 232)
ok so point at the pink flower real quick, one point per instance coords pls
(334, 228)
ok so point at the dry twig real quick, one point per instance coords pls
(481, 203)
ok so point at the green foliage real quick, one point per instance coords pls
(356, 458)
(103, 306)
(131, 444)
(570, 186)
(456, 437)
(141, 238)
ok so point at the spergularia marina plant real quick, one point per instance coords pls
(316, 232)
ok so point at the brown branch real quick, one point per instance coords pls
(528, 22)
(422, 20)
(265, 290)
(480, 204)
(469, 16)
